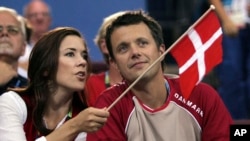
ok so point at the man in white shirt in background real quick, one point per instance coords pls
(38, 15)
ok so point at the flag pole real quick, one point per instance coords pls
(158, 59)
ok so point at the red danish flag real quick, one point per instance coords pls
(198, 52)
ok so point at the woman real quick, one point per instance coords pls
(57, 72)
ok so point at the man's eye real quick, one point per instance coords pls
(122, 48)
(142, 43)
(13, 30)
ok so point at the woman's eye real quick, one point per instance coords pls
(71, 54)
(85, 56)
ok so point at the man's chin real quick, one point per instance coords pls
(5, 48)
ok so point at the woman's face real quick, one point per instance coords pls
(72, 65)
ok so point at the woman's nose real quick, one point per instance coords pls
(81, 61)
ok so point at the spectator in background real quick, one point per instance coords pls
(99, 82)
(38, 15)
(12, 46)
(21, 63)
(154, 109)
(234, 72)
(51, 107)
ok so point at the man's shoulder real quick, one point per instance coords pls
(15, 82)
(201, 88)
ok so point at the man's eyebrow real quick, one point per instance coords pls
(122, 43)
(16, 26)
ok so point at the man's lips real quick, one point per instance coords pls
(136, 64)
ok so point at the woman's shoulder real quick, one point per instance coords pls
(11, 97)
(12, 102)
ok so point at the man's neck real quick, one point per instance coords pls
(152, 92)
(10, 61)
(34, 38)
(114, 75)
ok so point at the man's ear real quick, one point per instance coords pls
(162, 50)
(103, 46)
(113, 63)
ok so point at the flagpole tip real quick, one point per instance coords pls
(212, 7)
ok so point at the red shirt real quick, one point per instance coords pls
(94, 86)
(202, 117)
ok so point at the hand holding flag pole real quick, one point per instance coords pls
(157, 60)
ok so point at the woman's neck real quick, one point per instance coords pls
(56, 109)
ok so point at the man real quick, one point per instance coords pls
(12, 46)
(154, 109)
(99, 82)
(38, 15)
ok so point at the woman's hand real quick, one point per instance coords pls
(91, 119)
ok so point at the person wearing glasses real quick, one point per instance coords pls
(38, 15)
(12, 46)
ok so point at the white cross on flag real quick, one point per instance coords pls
(198, 52)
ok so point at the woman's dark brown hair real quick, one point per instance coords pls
(43, 65)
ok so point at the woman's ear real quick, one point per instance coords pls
(46, 73)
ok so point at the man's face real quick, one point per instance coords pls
(12, 42)
(39, 17)
(135, 50)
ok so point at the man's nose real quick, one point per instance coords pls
(135, 50)
(3, 32)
